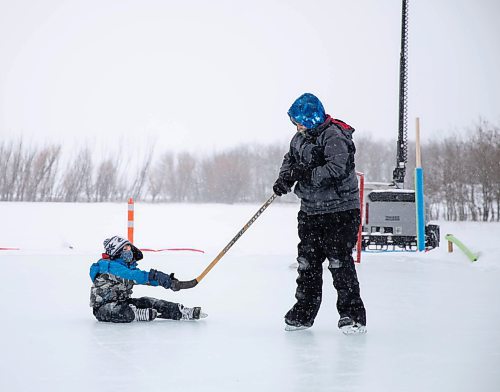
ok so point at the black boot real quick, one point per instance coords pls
(349, 327)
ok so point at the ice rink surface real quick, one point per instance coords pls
(432, 317)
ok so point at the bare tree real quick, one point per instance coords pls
(226, 176)
(77, 178)
(6, 154)
(41, 173)
(162, 178)
(264, 163)
(434, 178)
(373, 158)
(106, 180)
(155, 182)
(17, 170)
(142, 174)
(184, 178)
(483, 145)
(462, 174)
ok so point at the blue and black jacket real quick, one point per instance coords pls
(114, 279)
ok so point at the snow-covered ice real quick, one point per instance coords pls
(433, 318)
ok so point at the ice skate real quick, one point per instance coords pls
(349, 327)
(148, 314)
(295, 326)
(191, 313)
(290, 328)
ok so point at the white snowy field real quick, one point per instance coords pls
(433, 318)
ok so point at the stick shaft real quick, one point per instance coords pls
(236, 237)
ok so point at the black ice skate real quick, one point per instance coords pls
(191, 313)
(349, 327)
(295, 325)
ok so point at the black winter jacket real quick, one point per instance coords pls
(333, 186)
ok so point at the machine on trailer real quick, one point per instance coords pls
(389, 214)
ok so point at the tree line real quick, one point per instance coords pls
(462, 174)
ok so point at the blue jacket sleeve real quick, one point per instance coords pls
(116, 268)
(137, 275)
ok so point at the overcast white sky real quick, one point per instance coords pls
(212, 74)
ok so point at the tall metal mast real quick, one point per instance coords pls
(398, 175)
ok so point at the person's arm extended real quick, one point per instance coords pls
(137, 275)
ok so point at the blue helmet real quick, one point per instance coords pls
(308, 111)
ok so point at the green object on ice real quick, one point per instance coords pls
(463, 248)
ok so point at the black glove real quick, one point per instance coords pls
(318, 156)
(174, 283)
(300, 172)
(281, 186)
(163, 279)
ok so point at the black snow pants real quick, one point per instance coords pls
(122, 312)
(327, 236)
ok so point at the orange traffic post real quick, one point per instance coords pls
(130, 225)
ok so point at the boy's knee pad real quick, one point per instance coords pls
(303, 264)
(333, 262)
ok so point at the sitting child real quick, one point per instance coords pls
(114, 276)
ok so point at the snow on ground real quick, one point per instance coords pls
(432, 318)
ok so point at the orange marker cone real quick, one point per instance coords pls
(130, 226)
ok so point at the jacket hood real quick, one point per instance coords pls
(308, 111)
(329, 121)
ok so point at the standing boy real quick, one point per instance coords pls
(320, 163)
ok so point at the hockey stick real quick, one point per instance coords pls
(192, 283)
